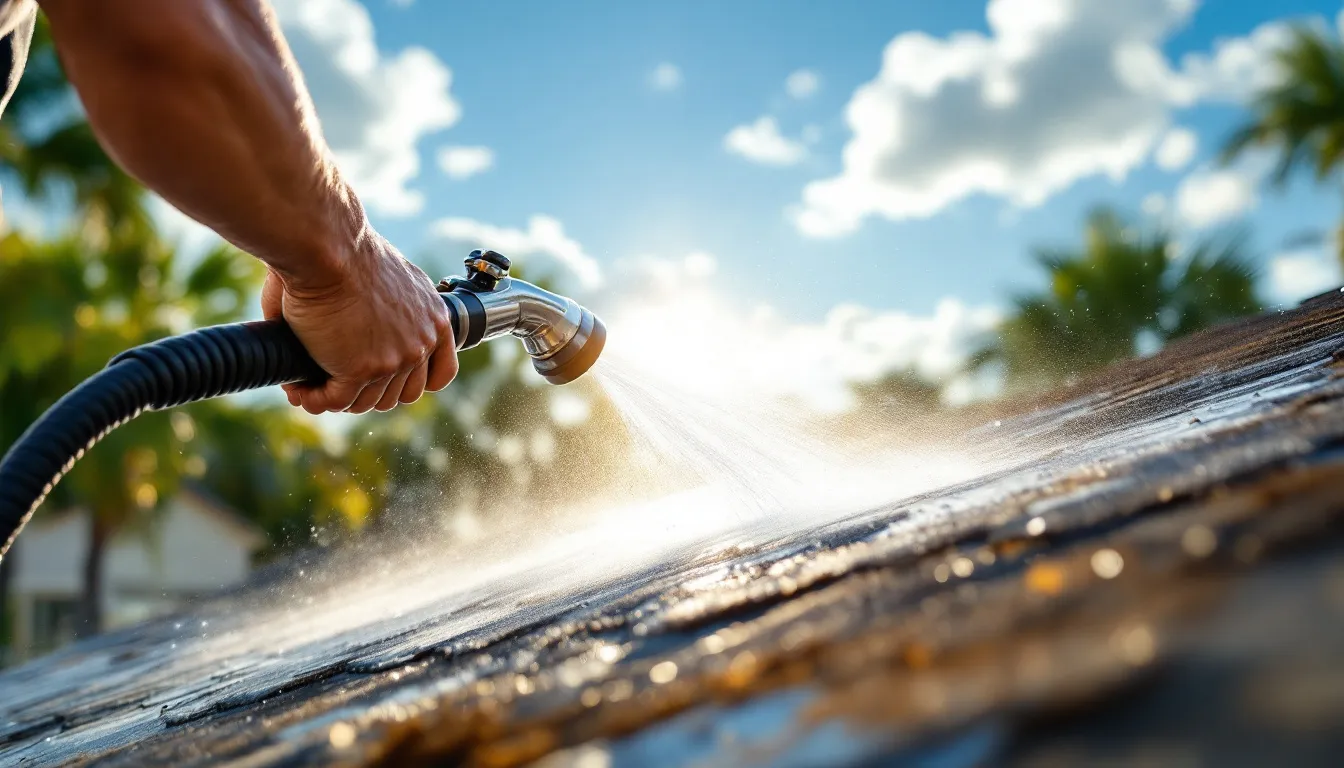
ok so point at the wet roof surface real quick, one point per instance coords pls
(1157, 575)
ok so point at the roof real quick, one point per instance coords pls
(1151, 565)
(207, 503)
(198, 498)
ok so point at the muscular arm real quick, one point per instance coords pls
(202, 102)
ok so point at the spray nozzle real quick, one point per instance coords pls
(563, 338)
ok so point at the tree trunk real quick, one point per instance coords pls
(8, 567)
(90, 619)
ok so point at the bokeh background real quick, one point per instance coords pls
(875, 213)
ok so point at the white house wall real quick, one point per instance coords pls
(191, 550)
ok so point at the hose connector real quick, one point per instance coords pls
(563, 338)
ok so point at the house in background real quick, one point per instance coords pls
(198, 546)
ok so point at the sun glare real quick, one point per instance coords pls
(697, 341)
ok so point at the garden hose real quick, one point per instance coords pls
(563, 338)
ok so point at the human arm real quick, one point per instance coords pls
(202, 102)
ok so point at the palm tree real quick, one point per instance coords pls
(1121, 289)
(1300, 116)
(66, 308)
(71, 304)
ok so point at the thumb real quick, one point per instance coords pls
(273, 308)
(272, 297)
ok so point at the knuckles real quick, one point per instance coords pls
(404, 338)
(443, 326)
(381, 368)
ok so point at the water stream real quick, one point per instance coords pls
(730, 472)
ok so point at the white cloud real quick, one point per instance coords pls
(802, 84)
(1236, 69)
(735, 348)
(672, 322)
(1298, 275)
(544, 237)
(465, 162)
(761, 142)
(374, 108)
(1210, 197)
(1058, 91)
(647, 273)
(1177, 149)
(700, 264)
(665, 77)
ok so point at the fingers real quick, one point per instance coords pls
(385, 338)
(370, 397)
(415, 384)
(392, 395)
(335, 395)
(442, 365)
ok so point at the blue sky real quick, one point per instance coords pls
(809, 193)
(561, 94)
(851, 187)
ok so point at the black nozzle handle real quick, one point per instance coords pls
(467, 314)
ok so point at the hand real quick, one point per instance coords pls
(377, 326)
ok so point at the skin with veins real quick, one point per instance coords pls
(203, 103)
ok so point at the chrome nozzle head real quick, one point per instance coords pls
(563, 338)
(572, 360)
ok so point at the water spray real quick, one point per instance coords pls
(563, 339)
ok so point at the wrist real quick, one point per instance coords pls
(331, 252)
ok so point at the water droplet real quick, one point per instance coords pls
(342, 735)
(963, 567)
(1199, 541)
(619, 690)
(1045, 578)
(1107, 563)
(663, 672)
(1136, 645)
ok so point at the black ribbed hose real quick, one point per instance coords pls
(182, 369)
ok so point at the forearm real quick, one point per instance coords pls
(200, 101)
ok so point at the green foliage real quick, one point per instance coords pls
(111, 282)
(46, 143)
(1122, 285)
(1300, 116)
(274, 465)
